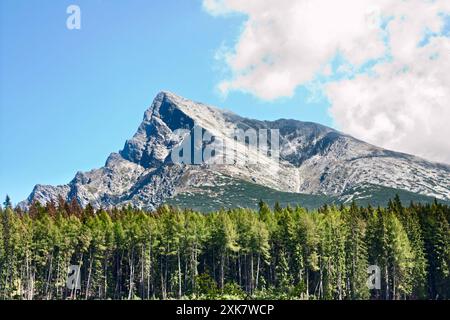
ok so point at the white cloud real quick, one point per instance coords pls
(398, 108)
(403, 103)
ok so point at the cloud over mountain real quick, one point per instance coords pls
(383, 64)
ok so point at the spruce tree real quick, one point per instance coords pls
(7, 203)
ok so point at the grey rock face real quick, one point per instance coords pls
(314, 159)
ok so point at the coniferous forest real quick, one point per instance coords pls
(270, 253)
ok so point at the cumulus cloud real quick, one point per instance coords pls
(393, 88)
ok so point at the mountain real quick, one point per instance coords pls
(315, 165)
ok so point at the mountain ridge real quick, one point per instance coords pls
(314, 159)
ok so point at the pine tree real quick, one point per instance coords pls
(436, 234)
(7, 204)
(411, 224)
(259, 246)
(308, 241)
(332, 256)
(356, 253)
(225, 238)
(399, 258)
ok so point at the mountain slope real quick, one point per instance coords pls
(245, 194)
(314, 160)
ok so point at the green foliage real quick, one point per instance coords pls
(284, 253)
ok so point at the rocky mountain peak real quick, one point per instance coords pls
(153, 140)
(314, 159)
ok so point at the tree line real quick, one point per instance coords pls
(270, 253)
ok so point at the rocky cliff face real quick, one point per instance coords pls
(313, 159)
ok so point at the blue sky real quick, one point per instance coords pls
(68, 98)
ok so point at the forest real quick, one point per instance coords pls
(270, 253)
